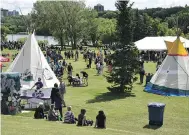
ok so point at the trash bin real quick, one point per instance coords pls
(156, 111)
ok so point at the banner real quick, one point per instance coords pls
(39, 94)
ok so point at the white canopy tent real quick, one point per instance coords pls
(157, 43)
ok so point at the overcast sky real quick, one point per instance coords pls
(26, 5)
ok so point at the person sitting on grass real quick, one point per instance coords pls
(70, 79)
(52, 114)
(100, 120)
(79, 80)
(69, 116)
(39, 112)
(82, 119)
(148, 78)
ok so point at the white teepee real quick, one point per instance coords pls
(32, 64)
(172, 78)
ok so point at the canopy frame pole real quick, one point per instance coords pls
(149, 56)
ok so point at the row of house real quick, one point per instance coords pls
(99, 8)
(6, 12)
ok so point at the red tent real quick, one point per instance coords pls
(3, 59)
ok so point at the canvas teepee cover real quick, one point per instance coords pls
(172, 78)
(31, 63)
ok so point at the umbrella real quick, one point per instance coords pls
(3, 59)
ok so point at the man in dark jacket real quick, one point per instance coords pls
(142, 73)
(70, 69)
(56, 98)
(54, 92)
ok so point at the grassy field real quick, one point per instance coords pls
(125, 114)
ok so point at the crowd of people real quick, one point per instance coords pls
(16, 45)
(55, 111)
(59, 65)
(69, 117)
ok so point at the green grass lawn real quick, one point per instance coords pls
(125, 114)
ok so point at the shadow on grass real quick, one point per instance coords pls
(109, 96)
(151, 127)
(74, 86)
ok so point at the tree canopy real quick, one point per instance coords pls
(71, 22)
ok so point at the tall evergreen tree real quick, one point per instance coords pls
(125, 57)
(139, 25)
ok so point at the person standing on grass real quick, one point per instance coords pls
(62, 90)
(76, 55)
(60, 71)
(64, 65)
(65, 55)
(141, 63)
(98, 68)
(94, 55)
(53, 93)
(69, 54)
(85, 77)
(52, 65)
(72, 54)
(56, 98)
(70, 69)
(142, 73)
(101, 67)
(90, 60)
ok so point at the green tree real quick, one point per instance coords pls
(4, 32)
(183, 21)
(90, 26)
(139, 26)
(75, 20)
(15, 24)
(65, 19)
(148, 30)
(110, 15)
(43, 42)
(107, 30)
(171, 32)
(125, 57)
(22, 40)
